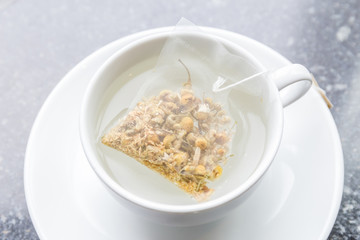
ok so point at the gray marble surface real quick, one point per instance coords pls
(40, 41)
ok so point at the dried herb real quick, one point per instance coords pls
(178, 135)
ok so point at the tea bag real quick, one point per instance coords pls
(177, 125)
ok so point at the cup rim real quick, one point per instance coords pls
(112, 185)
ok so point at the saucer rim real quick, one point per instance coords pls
(339, 169)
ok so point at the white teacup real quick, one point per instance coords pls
(293, 81)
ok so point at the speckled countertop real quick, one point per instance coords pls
(40, 41)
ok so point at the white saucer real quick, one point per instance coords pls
(298, 199)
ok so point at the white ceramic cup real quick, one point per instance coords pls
(267, 106)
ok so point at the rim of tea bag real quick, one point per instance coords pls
(208, 64)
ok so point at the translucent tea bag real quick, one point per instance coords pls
(176, 125)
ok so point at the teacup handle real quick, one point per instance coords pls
(292, 81)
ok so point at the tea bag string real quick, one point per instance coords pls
(217, 85)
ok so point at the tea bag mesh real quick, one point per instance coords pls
(176, 125)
